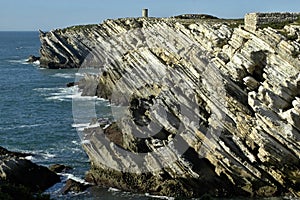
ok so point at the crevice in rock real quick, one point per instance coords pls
(260, 59)
(227, 139)
(138, 108)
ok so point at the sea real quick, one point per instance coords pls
(36, 116)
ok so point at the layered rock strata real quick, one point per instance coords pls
(203, 107)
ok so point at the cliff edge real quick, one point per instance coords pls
(205, 106)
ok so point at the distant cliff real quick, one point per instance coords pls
(205, 106)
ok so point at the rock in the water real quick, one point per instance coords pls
(74, 186)
(71, 84)
(58, 168)
(204, 108)
(33, 59)
(6, 153)
(15, 169)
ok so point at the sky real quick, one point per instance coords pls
(31, 15)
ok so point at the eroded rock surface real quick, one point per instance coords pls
(204, 107)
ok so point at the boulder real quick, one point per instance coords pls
(74, 186)
(15, 169)
(58, 168)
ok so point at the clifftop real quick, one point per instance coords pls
(207, 106)
(69, 48)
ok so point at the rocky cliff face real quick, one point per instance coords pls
(203, 107)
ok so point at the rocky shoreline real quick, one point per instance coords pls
(208, 107)
(22, 179)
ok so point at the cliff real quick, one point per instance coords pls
(204, 105)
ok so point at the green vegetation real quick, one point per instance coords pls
(233, 23)
(184, 20)
(276, 25)
(280, 25)
(282, 31)
(297, 22)
(288, 36)
(79, 27)
(295, 54)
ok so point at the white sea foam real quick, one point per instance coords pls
(64, 94)
(37, 62)
(93, 125)
(85, 142)
(78, 96)
(75, 142)
(111, 189)
(22, 61)
(63, 75)
(39, 155)
(79, 74)
(67, 94)
(81, 127)
(70, 93)
(45, 89)
(30, 125)
(106, 126)
(75, 178)
(102, 99)
(29, 158)
(60, 94)
(48, 155)
(21, 126)
(159, 197)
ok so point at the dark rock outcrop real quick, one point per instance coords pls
(58, 168)
(74, 186)
(32, 59)
(71, 84)
(207, 108)
(16, 170)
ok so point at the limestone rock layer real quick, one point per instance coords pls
(199, 106)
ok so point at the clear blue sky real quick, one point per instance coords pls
(50, 14)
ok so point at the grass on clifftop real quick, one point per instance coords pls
(233, 23)
(280, 25)
(79, 27)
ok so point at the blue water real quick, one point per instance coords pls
(36, 114)
(30, 120)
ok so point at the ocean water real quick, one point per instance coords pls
(36, 115)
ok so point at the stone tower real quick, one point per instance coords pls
(145, 12)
